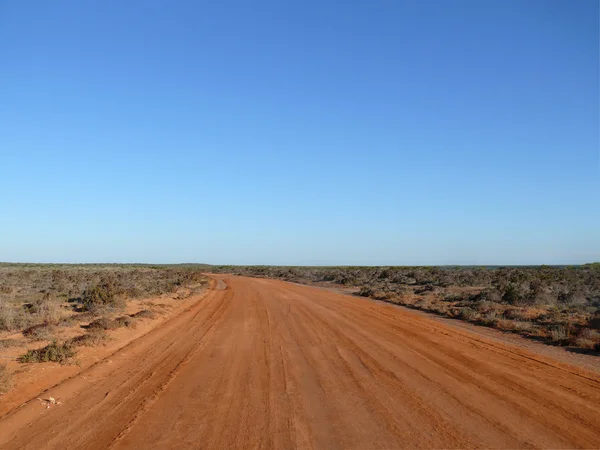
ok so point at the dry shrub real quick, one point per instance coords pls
(13, 318)
(515, 314)
(559, 334)
(5, 379)
(422, 303)
(91, 339)
(491, 317)
(521, 326)
(40, 332)
(144, 314)
(586, 333)
(469, 314)
(365, 291)
(47, 308)
(125, 321)
(584, 343)
(103, 323)
(586, 338)
(381, 295)
(438, 308)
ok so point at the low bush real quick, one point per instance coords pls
(105, 294)
(365, 291)
(125, 321)
(144, 314)
(40, 332)
(582, 342)
(12, 318)
(90, 339)
(54, 352)
(47, 308)
(469, 314)
(103, 323)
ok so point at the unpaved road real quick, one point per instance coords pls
(267, 364)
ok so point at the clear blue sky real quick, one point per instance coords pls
(300, 132)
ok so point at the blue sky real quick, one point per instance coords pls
(300, 132)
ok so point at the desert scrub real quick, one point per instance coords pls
(104, 294)
(13, 318)
(103, 323)
(47, 308)
(125, 321)
(5, 379)
(559, 334)
(54, 352)
(40, 332)
(144, 314)
(90, 339)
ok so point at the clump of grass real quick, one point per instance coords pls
(5, 379)
(54, 352)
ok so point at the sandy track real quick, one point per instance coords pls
(267, 364)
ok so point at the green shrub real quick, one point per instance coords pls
(104, 294)
(53, 352)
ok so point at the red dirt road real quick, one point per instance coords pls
(268, 364)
